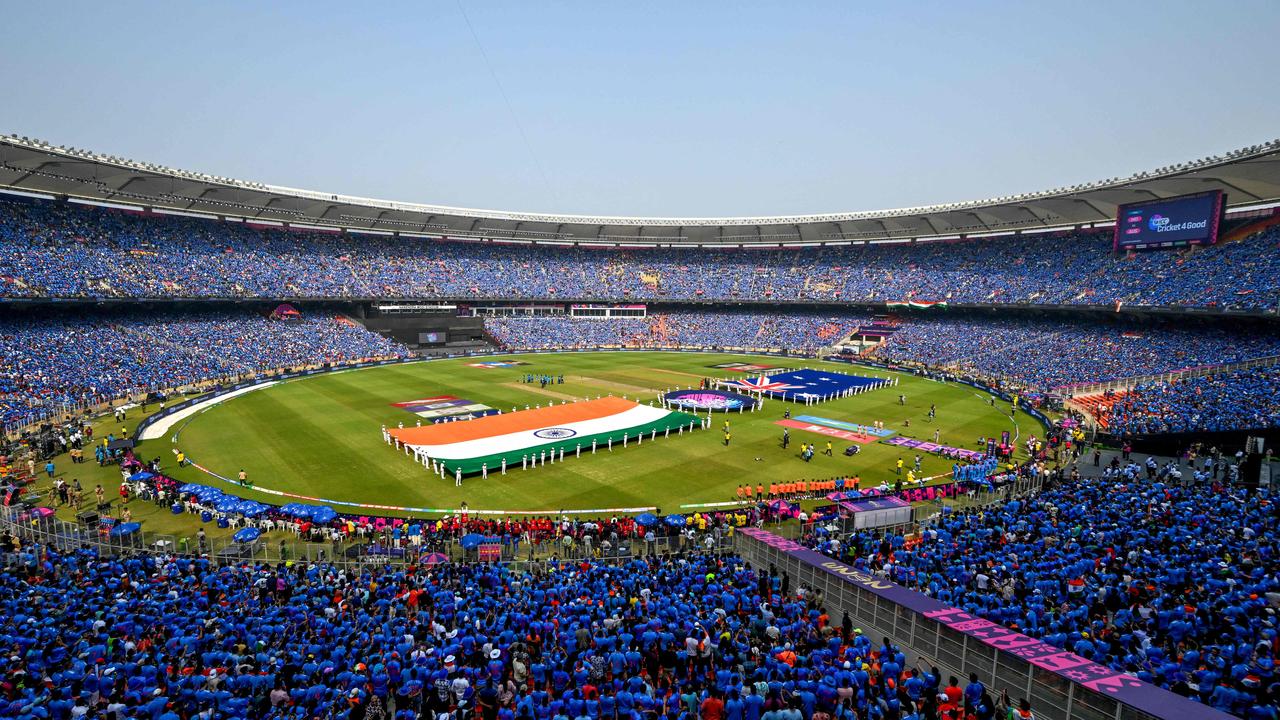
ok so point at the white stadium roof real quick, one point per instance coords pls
(1250, 176)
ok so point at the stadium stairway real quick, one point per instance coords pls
(1092, 405)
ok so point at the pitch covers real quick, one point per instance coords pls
(488, 440)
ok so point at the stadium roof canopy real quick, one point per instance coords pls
(1250, 176)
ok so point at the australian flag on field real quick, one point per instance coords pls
(803, 385)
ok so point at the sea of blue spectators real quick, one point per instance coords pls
(703, 328)
(67, 250)
(1047, 354)
(1242, 399)
(1176, 585)
(49, 364)
(695, 636)
(53, 363)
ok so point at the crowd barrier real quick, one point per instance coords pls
(355, 551)
(1059, 684)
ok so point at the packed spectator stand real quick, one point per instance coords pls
(1049, 354)
(51, 364)
(680, 636)
(790, 331)
(51, 249)
(1140, 570)
(1210, 403)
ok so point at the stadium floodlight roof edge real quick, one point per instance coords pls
(263, 201)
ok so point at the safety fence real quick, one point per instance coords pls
(977, 498)
(372, 549)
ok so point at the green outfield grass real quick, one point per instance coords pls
(320, 436)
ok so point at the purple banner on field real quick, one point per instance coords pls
(886, 503)
(932, 447)
(1121, 686)
(917, 494)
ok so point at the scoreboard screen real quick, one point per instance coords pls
(1170, 223)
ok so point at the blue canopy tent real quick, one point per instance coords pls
(247, 535)
(125, 529)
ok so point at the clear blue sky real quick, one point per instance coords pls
(650, 108)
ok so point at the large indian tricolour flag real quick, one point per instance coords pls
(471, 444)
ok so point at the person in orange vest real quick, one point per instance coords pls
(787, 656)
(747, 491)
(760, 490)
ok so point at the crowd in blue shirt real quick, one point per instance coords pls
(1046, 354)
(1242, 399)
(56, 362)
(65, 361)
(50, 249)
(1171, 583)
(793, 331)
(681, 637)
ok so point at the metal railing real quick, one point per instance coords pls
(375, 548)
(944, 638)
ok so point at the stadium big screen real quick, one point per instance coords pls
(1172, 222)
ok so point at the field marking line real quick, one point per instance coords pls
(161, 427)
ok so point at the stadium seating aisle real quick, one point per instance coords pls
(1173, 584)
(64, 250)
(169, 638)
(47, 364)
